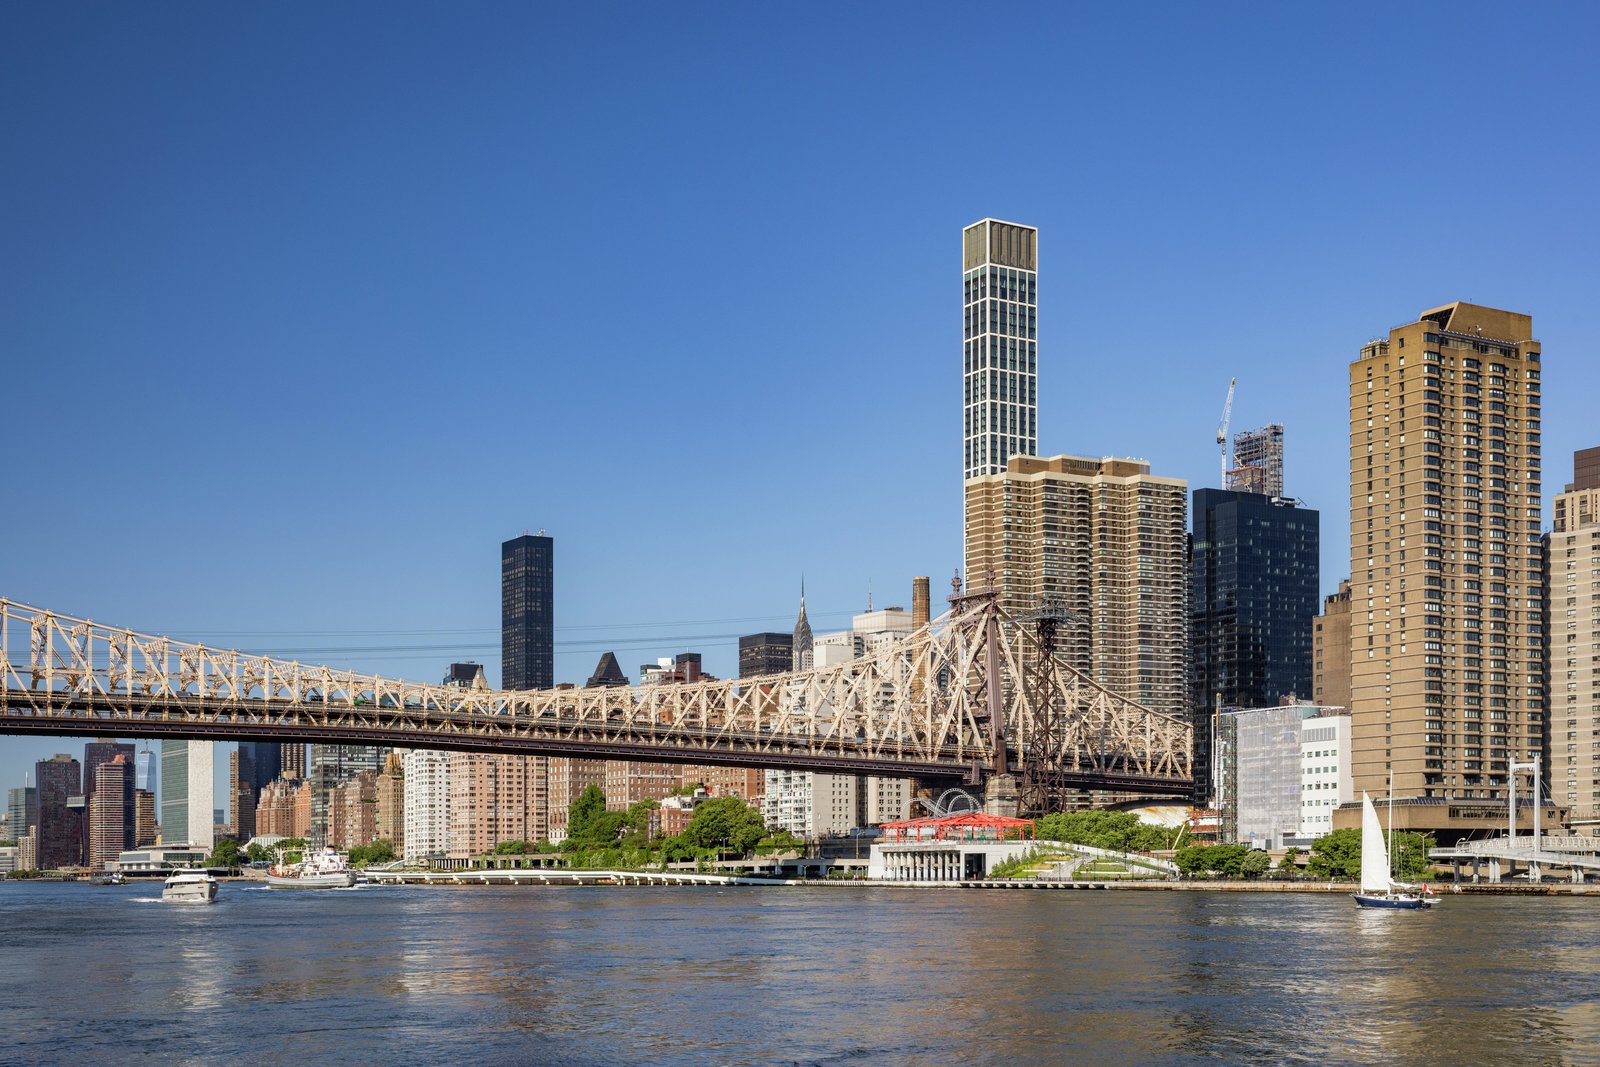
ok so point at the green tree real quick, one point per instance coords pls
(1336, 855)
(1291, 860)
(636, 823)
(782, 841)
(224, 854)
(1119, 831)
(725, 824)
(1256, 864)
(257, 853)
(585, 813)
(1228, 860)
(1412, 861)
(1193, 860)
(379, 851)
(512, 848)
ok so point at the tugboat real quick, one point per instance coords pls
(190, 887)
(319, 870)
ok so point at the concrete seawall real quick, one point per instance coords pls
(631, 878)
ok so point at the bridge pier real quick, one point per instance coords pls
(1001, 796)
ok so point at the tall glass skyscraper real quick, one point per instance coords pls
(527, 613)
(1252, 597)
(187, 789)
(1000, 383)
(260, 762)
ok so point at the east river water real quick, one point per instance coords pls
(796, 975)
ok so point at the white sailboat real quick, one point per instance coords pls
(1378, 887)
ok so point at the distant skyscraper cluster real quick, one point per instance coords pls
(1459, 648)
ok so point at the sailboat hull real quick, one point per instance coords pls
(1364, 900)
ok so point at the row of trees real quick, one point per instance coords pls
(1226, 861)
(1338, 855)
(1119, 831)
(721, 828)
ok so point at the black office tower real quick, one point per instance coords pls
(1252, 598)
(527, 613)
(260, 764)
(769, 653)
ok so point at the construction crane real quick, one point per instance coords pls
(1222, 431)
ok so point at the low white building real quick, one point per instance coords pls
(1283, 771)
(158, 859)
(947, 849)
(1325, 778)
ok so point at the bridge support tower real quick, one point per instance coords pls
(1002, 796)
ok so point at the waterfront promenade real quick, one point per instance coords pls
(545, 877)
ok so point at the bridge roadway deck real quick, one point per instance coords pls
(166, 717)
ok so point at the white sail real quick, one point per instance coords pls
(1374, 853)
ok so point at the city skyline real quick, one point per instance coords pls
(1130, 301)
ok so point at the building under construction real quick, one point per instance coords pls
(1258, 461)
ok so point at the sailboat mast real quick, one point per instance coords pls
(1390, 848)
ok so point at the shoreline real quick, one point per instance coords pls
(598, 878)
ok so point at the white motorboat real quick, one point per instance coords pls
(190, 887)
(319, 870)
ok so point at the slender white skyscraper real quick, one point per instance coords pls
(187, 786)
(1000, 382)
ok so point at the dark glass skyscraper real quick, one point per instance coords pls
(260, 763)
(1252, 598)
(527, 613)
(60, 780)
(768, 653)
(99, 751)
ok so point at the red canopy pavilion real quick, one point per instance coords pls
(971, 826)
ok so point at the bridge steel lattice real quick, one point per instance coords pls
(963, 698)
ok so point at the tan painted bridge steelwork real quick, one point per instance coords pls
(964, 697)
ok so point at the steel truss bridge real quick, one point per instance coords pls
(967, 697)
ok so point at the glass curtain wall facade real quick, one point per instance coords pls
(175, 792)
(23, 808)
(60, 827)
(1000, 383)
(768, 653)
(1252, 600)
(527, 613)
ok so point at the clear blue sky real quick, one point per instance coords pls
(303, 312)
